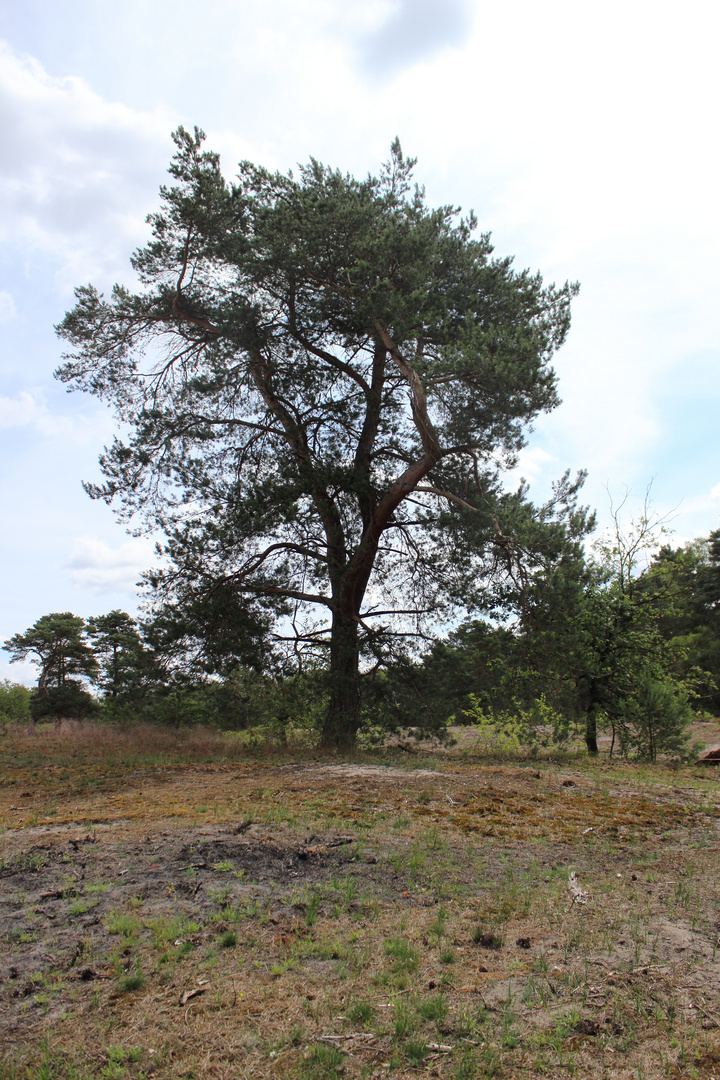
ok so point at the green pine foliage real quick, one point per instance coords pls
(56, 644)
(321, 379)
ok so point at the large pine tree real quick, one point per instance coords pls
(321, 378)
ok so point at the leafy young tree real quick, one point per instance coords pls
(629, 674)
(322, 378)
(590, 641)
(626, 674)
(57, 645)
(525, 653)
(14, 703)
(684, 585)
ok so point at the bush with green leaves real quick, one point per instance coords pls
(506, 730)
(14, 703)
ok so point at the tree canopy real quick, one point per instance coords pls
(124, 665)
(56, 644)
(321, 379)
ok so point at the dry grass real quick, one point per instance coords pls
(171, 908)
(74, 742)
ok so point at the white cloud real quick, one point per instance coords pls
(715, 493)
(532, 466)
(76, 172)
(412, 30)
(28, 409)
(21, 672)
(7, 306)
(99, 568)
(19, 411)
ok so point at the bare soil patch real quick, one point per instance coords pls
(176, 918)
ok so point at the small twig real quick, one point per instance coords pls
(344, 1038)
(706, 1014)
(47, 914)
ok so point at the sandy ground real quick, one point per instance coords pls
(225, 919)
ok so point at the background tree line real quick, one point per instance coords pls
(575, 644)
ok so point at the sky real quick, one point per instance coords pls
(583, 136)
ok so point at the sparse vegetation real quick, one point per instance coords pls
(290, 912)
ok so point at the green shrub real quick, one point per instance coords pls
(504, 731)
(68, 701)
(14, 703)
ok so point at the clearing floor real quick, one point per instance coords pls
(430, 917)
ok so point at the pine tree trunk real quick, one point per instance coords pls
(343, 715)
(591, 731)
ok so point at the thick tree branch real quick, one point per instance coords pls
(254, 564)
(323, 354)
(292, 594)
(297, 440)
(366, 441)
(361, 564)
